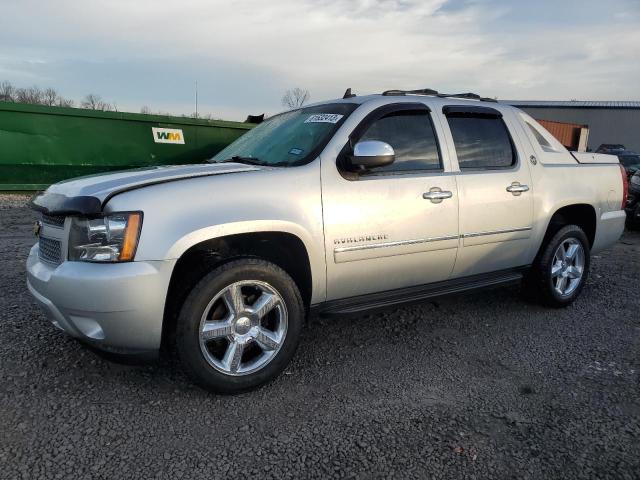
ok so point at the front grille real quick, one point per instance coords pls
(54, 220)
(50, 250)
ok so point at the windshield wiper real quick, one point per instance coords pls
(247, 160)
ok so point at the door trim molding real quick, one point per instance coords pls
(496, 232)
(398, 243)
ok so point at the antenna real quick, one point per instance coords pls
(348, 94)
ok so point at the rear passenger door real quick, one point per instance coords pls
(494, 184)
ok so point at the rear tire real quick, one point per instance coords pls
(561, 269)
(633, 220)
(240, 326)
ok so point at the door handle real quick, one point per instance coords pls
(516, 188)
(436, 195)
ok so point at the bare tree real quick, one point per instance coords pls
(295, 98)
(50, 96)
(91, 101)
(64, 102)
(32, 95)
(7, 92)
(146, 110)
(95, 102)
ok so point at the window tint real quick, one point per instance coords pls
(481, 142)
(411, 135)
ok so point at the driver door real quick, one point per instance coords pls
(382, 231)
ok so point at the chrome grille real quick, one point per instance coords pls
(50, 250)
(53, 220)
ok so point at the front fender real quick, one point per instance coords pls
(179, 215)
(316, 258)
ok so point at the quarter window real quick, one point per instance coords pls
(481, 142)
(412, 137)
(541, 140)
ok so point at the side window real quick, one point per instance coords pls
(481, 142)
(412, 137)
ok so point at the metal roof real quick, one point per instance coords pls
(573, 103)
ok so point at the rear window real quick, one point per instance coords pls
(481, 142)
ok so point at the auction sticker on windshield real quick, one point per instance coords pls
(324, 118)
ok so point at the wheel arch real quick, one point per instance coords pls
(282, 248)
(580, 214)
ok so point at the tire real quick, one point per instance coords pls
(544, 281)
(633, 219)
(247, 307)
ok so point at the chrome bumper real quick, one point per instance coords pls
(116, 307)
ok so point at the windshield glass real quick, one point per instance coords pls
(290, 138)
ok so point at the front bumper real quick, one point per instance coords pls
(116, 307)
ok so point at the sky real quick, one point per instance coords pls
(245, 54)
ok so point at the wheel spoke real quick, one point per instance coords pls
(556, 269)
(563, 252)
(574, 272)
(267, 339)
(572, 250)
(215, 329)
(561, 284)
(233, 298)
(233, 356)
(264, 304)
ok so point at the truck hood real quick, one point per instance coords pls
(87, 195)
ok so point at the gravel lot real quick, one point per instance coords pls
(480, 386)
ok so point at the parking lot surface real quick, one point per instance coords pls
(480, 386)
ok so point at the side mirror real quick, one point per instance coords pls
(372, 153)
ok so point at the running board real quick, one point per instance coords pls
(374, 301)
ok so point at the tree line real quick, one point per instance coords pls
(35, 95)
(49, 96)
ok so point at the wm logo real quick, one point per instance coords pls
(168, 135)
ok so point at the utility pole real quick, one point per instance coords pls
(196, 99)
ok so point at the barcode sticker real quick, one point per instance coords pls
(324, 118)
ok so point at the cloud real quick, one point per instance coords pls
(245, 54)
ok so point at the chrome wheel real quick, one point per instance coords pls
(568, 265)
(243, 327)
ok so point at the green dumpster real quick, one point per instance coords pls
(41, 145)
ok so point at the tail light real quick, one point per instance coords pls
(625, 187)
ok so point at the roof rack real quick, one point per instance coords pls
(423, 91)
(429, 91)
(469, 95)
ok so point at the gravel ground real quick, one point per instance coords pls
(480, 386)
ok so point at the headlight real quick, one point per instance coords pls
(112, 238)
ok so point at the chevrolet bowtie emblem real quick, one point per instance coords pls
(37, 227)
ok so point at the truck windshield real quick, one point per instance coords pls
(290, 138)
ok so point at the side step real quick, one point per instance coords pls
(374, 301)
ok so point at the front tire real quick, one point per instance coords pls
(561, 269)
(240, 326)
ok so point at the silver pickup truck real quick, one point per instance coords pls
(334, 208)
